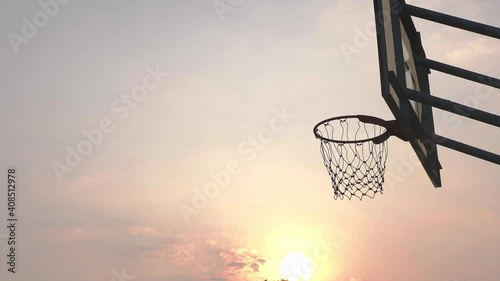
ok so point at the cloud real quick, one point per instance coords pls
(255, 267)
(261, 260)
(143, 230)
(217, 279)
(181, 254)
(470, 50)
(76, 231)
(208, 255)
(237, 264)
(245, 259)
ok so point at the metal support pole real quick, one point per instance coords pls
(459, 72)
(467, 149)
(454, 107)
(457, 22)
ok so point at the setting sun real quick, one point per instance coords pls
(296, 266)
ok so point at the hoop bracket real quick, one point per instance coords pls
(392, 126)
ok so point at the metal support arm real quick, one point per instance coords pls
(454, 107)
(457, 22)
(467, 149)
(459, 72)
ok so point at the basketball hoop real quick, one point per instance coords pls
(354, 150)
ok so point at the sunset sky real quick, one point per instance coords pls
(200, 162)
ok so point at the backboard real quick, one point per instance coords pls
(404, 76)
(399, 47)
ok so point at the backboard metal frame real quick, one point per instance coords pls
(404, 74)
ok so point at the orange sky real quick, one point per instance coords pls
(213, 174)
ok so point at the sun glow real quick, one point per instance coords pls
(296, 266)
